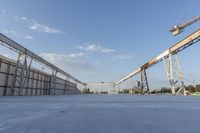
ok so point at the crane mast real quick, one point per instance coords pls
(179, 28)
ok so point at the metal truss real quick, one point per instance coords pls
(174, 74)
(114, 87)
(144, 82)
(181, 45)
(20, 49)
(53, 82)
(21, 74)
(65, 86)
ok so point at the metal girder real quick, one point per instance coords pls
(174, 74)
(181, 45)
(12, 44)
(65, 86)
(179, 28)
(144, 82)
(129, 76)
(53, 82)
(21, 74)
(100, 83)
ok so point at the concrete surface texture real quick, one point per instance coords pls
(100, 114)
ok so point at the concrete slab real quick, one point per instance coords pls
(100, 114)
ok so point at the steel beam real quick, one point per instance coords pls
(186, 42)
(12, 44)
(144, 82)
(6, 80)
(100, 83)
(22, 72)
(53, 82)
(174, 74)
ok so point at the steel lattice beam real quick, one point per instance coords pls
(100, 83)
(12, 44)
(186, 42)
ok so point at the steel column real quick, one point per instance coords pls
(53, 82)
(22, 71)
(174, 74)
(6, 80)
(144, 82)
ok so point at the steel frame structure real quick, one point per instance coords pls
(38, 82)
(183, 44)
(144, 82)
(53, 82)
(174, 74)
(101, 84)
(179, 28)
(26, 57)
(22, 70)
(23, 51)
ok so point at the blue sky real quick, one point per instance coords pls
(102, 40)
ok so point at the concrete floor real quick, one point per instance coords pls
(100, 114)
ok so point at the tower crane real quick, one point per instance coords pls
(179, 28)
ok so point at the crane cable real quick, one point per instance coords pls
(187, 10)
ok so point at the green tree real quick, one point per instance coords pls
(165, 90)
(197, 88)
(190, 88)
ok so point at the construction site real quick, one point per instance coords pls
(39, 96)
(19, 78)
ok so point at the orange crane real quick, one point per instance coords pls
(179, 28)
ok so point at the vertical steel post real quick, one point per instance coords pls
(22, 71)
(44, 84)
(41, 79)
(6, 80)
(27, 70)
(174, 74)
(180, 75)
(144, 82)
(37, 83)
(0, 63)
(32, 83)
(114, 87)
(65, 86)
(53, 82)
(14, 80)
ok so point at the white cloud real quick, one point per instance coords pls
(28, 37)
(16, 18)
(3, 11)
(73, 63)
(62, 56)
(5, 31)
(35, 26)
(24, 18)
(124, 56)
(11, 32)
(95, 48)
(8, 53)
(73, 55)
(16, 34)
